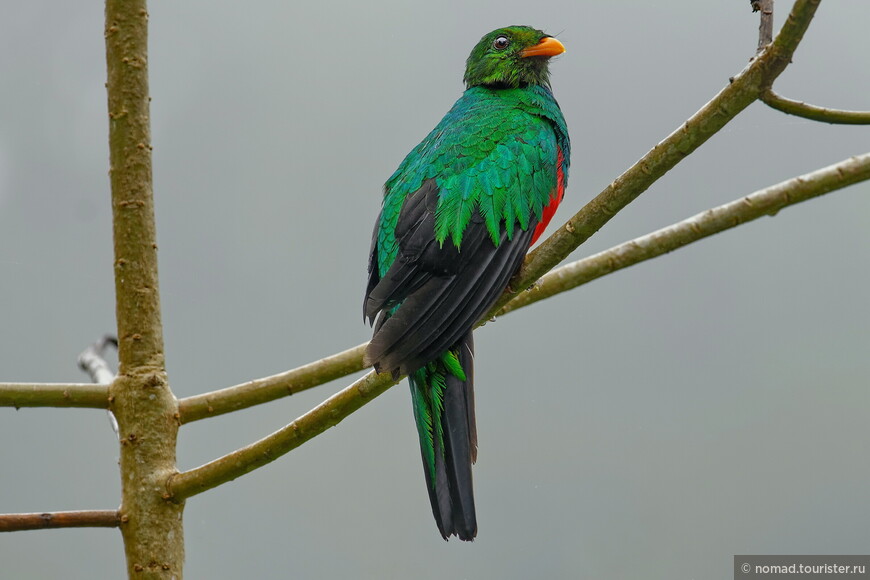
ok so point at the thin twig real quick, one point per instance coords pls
(765, 25)
(816, 113)
(54, 520)
(767, 201)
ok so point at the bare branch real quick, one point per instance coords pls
(54, 395)
(761, 203)
(816, 113)
(328, 414)
(143, 404)
(64, 394)
(54, 520)
(268, 389)
(765, 25)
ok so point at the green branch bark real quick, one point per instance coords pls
(328, 414)
(270, 388)
(93, 396)
(142, 402)
(54, 395)
(814, 112)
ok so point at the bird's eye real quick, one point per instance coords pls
(501, 42)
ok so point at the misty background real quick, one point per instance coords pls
(651, 424)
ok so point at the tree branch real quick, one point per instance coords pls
(328, 414)
(143, 404)
(65, 394)
(270, 388)
(54, 520)
(813, 112)
(767, 201)
(54, 395)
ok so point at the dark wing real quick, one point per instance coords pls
(441, 292)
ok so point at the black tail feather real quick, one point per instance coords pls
(452, 492)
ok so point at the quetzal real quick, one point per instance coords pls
(458, 216)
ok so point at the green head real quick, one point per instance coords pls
(511, 57)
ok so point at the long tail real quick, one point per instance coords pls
(442, 393)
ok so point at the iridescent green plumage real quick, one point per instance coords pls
(458, 216)
(496, 149)
(427, 396)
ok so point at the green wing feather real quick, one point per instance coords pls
(495, 150)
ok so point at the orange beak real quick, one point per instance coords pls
(548, 46)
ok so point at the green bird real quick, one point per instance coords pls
(457, 219)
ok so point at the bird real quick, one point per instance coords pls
(457, 219)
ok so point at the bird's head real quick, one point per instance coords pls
(512, 57)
